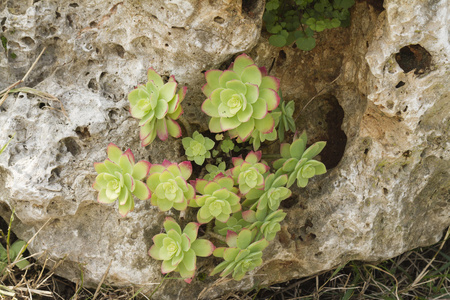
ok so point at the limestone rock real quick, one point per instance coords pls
(379, 97)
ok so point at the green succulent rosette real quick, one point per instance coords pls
(240, 99)
(267, 224)
(218, 199)
(298, 163)
(249, 173)
(119, 177)
(168, 183)
(197, 148)
(241, 256)
(179, 249)
(157, 106)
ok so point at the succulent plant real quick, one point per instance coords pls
(267, 225)
(258, 137)
(213, 170)
(197, 148)
(241, 256)
(218, 199)
(240, 99)
(235, 223)
(249, 173)
(286, 119)
(119, 177)
(168, 184)
(157, 106)
(15, 250)
(270, 198)
(298, 163)
(179, 249)
(227, 145)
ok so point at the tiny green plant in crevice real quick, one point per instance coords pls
(296, 21)
(239, 196)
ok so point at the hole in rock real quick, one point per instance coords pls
(83, 132)
(119, 50)
(407, 153)
(219, 20)
(400, 84)
(366, 151)
(57, 14)
(54, 174)
(405, 109)
(289, 202)
(3, 21)
(377, 4)
(73, 4)
(71, 146)
(93, 85)
(281, 58)
(248, 7)
(385, 191)
(42, 105)
(414, 57)
(69, 20)
(28, 41)
(331, 113)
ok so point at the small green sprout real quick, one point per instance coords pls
(157, 106)
(14, 251)
(235, 223)
(213, 170)
(168, 184)
(218, 199)
(298, 163)
(286, 119)
(197, 148)
(240, 99)
(119, 177)
(179, 249)
(227, 145)
(241, 256)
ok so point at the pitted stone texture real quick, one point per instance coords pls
(388, 191)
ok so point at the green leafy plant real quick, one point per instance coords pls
(169, 186)
(119, 177)
(15, 251)
(241, 255)
(286, 20)
(218, 199)
(298, 162)
(157, 106)
(242, 199)
(179, 249)
(287, 121)
(267, 225)
(214, 170)
(240, 99)
(197, 148)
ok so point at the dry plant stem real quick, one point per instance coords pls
(6, 91)
(101, 281)
(424, 271)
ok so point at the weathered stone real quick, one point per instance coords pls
(379, 97)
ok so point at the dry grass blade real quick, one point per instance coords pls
(386, 272)
(101, 281)
(425, 270)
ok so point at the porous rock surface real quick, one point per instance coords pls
(377, 92)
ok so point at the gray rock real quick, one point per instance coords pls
(378, 98)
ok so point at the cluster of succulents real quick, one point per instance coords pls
(240, 196)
